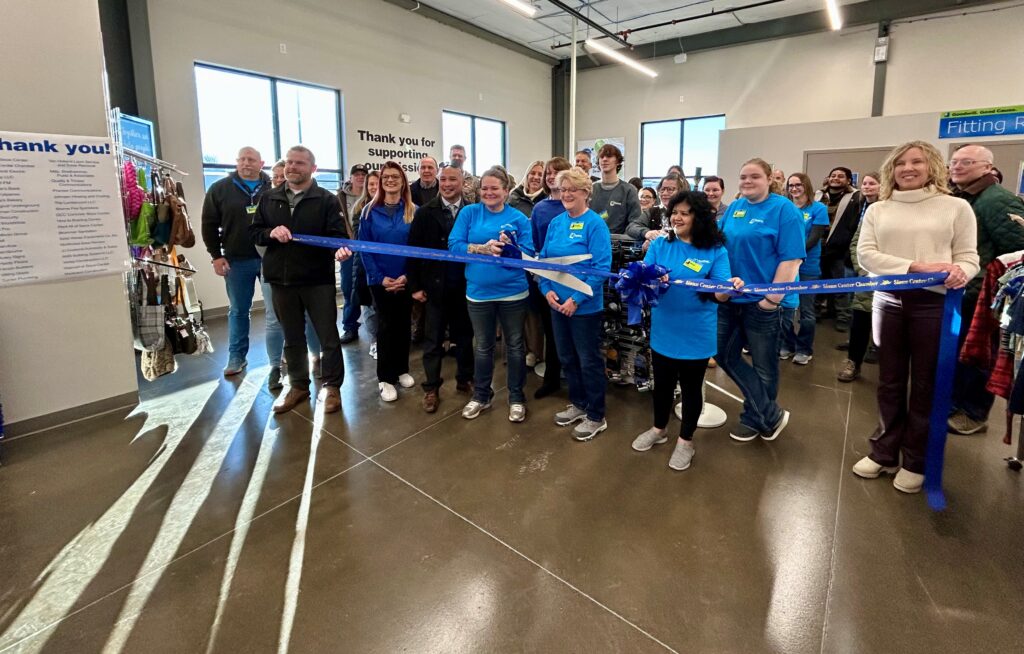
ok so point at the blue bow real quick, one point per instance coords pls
(640, 285)
(511, 249)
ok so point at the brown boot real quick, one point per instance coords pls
(430, 401)
(331, 397)
(464, 386)
(291, 399)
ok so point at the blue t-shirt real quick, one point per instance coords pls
(761, 236)
(585, 234)
(541, 216)
(815, 214)
(478, 224)
(682, 325)
(251, 183)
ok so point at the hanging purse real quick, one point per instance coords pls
(147, 315)
(158, 363)
(181, 228)
(180, 330)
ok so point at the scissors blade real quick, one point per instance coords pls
(565, 279)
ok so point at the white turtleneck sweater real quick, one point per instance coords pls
(922, 225)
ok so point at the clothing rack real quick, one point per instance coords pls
(165, 265)
(159, 163)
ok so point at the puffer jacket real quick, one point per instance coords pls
(997, 233)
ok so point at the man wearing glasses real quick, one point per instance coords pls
(970, 171)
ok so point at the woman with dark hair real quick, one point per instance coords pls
(576, 317)
(637, 183)
(386, 219)
(915, 227)
(650, 225)
(543, 213)
(496, 294)
(765, 240)
(693, 249)
(860, 317)
(798, 332)
(714, 188)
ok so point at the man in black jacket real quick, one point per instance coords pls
(228, 210)
(843, 202)
(302, 276)
(441, 288)
(424, 189)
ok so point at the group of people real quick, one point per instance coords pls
(905, 218)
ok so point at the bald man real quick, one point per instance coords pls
(970, 171)
(228, 210)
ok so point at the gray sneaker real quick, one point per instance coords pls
(587, 429)
(785, 355)
(274, 379)
(516, 412)
(649, 439)
(682, 456)
(802, 359)
(570, 415)
(473, 409)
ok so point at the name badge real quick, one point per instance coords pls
(575, 225)
(251, 209)
(692, 265)
(739, 214)
(807, 216)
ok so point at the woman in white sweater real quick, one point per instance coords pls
(915, 227)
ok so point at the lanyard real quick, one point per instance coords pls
(253, 194)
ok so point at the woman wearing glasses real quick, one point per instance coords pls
(386, 219)
(915, 227)
(576, 317)
(798, 335)
(496, 294)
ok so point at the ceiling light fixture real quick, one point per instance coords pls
(619, 57)
(833, 15)
(522, 7)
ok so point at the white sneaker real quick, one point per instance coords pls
(908, 482)
(531, 359)
(473, 409)
(868, 469)
(373, 350)
(649, 439)
(406, 380)
(388, 392)
(516, 412)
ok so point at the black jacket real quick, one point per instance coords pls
(420, 195)
(430, 228)
(518, 199)
(318, 213)
(840, 234)
(226, 220)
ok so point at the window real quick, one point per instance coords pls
(271, 115)
(483, 138)
(688, 142)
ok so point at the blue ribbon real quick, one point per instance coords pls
(639, 285)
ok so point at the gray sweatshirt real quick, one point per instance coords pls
(619, 206)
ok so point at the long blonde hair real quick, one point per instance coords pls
(526, 176)
(938, 174)
(405, 194)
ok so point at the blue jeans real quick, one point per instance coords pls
(485, 317)
(275, 334)
(350, 313)
(241, 286)
(749, 325)
(800, 340)
(578, 341)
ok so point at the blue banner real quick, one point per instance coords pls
(998, 121)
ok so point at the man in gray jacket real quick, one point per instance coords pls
(614, 199)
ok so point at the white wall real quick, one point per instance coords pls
(938, 64)
(385, 60)
(67, 344)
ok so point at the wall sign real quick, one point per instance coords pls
(971, 123)
(137, 134)
(60, 209)
(406, 151)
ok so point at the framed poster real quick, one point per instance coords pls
(137, 134)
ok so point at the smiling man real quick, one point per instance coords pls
(970, 170)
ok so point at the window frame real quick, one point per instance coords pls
(682, 140)
(275, 117)
(472, 135)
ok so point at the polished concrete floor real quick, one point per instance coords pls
(199, 522)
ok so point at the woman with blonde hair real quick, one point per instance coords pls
(386, 219)
(531, 191)
(915, 227)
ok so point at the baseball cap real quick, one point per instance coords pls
(359, 168)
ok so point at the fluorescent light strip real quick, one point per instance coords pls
(619, 57)
(833, 15)
(522, 7)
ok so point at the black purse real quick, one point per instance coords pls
(179, 330)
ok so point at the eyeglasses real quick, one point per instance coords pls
(393, 178)
(563, 191)
(794, 186)
(966, 163)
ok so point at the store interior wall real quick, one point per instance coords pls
(68, 344)
(385, 60)
(936, 63)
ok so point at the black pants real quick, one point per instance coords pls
(969, 394)
(835, 303)
(689, 373)
(860, 336)
(292, 304)
(447, 311)
(552, 365)
(394, 332)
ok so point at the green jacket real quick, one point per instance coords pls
(997, 233)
